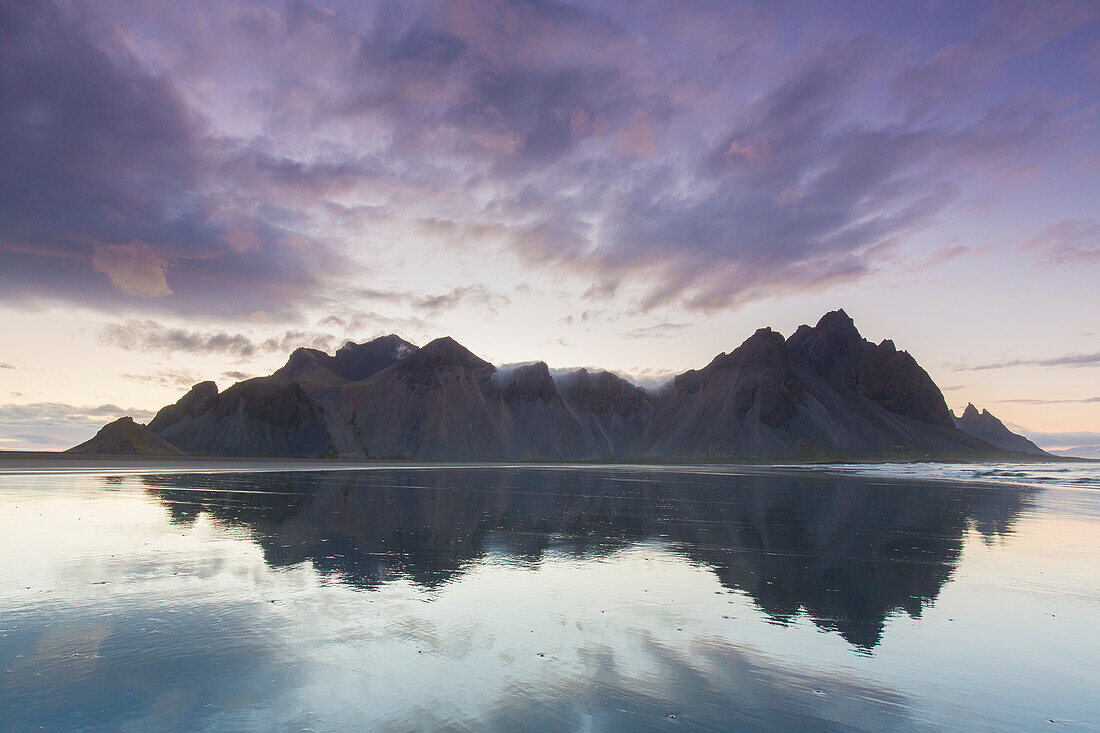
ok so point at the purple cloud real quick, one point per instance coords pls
(1066, 360)
(1036, 401)
(231, 157)
(105, 190)
(1069, 242)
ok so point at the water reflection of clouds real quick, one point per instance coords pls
(501, 600)
(564, 647)
(143, 667)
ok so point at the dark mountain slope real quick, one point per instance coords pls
(892, 379)
(266, 416)
(352, 362)
(823, 395)
(739, 404)
(437, 403)
(537, 422)
(615, 411)
(197, 400)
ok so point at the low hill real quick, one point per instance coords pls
(126, 437)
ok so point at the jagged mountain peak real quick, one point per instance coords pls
(203, 389)
(352, 362)
(355, 362)
(302, 358)
(442, 356)
(835, 350)
(445, 351)
(529, 381)
(586, 381)
(764, 348)
(399, 346)
(837, 320)
(197, 399)
(762, 340)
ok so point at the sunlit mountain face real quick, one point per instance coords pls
(190, 192)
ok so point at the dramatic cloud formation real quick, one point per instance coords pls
(107, 192)
(234, 157)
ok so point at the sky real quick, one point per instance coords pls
(189, 191)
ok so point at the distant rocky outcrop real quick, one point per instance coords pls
(825, 392)
(126, 437)
(984, 426)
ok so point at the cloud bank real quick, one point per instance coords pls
(57, 425)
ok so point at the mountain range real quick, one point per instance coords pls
(823, 393)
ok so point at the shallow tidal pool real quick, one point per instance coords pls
(550, 598)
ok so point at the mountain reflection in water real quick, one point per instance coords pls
(846, 553)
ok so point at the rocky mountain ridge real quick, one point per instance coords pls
(826, 392)
(985, 426)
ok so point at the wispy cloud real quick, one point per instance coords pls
(175, 378)
(477, 297)
(1027, 401)
(1082, 444)
(658, 330)
(1067, 360)
(153, 336)
(149, 335)
(1069, 242)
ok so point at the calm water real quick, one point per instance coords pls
(563, 598)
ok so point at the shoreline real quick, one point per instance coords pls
(19, 461)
